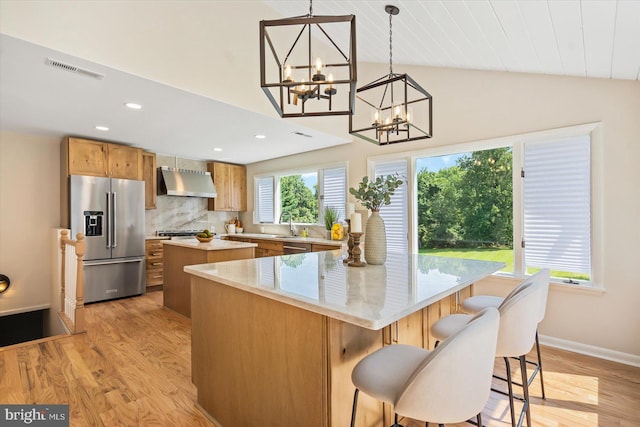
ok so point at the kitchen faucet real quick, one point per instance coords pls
(290, 222)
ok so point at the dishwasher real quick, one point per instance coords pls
(290, 248)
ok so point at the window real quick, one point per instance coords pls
(302, 194)
(525, 201)
(465, 205)
(394, 215)
(557, 208)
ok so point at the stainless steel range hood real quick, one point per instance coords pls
(182, 182)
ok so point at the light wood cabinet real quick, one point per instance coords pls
(96, 158)
(265, 247)
(150, 180)
(154, 258)
(319, 247)
(268, 247)
(231, 186)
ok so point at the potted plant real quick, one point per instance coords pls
(373, 195)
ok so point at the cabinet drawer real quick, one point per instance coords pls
(153, 245)
(269, 245)
(155, 278)
(155, 263)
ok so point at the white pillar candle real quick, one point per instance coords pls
(351, 208)
(356, 223)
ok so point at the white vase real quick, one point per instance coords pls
(375, 240)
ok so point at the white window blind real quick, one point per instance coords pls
(264, 188)
(395, 214)
(334, 185)
(557, 205)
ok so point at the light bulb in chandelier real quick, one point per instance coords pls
(287, 74)
(318, 76)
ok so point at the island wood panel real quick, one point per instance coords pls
(176, 287)
(348, 344)
(256, 361)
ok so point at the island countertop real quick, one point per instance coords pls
(371, 297)
(214, 245)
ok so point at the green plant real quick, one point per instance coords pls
(330, 216)
(376, 193)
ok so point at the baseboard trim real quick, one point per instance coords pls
(590, 350)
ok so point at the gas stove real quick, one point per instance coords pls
(177, 233)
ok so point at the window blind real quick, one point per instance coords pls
(334, 184)
(557, 205)
(265, 199)
(395, 214)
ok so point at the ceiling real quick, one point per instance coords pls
(599, 39)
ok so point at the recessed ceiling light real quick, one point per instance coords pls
(260, 136)
(217, 149)
(102, 128)
(133, 105)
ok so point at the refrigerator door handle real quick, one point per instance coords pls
(108, 220)
(113, 218)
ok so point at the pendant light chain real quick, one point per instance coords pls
(310, 7)
(390, 45)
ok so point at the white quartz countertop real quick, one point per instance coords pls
(372, 297)
(214, 245)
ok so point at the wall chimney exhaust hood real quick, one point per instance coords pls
(182, 182)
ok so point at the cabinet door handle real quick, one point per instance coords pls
(156, 263)
(156, 254)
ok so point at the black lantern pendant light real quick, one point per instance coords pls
(393, 108)
(305, 70)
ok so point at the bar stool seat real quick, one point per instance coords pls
(477, 303)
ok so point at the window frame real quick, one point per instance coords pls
(516, 142)
(319, 170)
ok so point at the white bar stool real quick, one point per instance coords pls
(477, 303)
(447, 385)
(518, 322)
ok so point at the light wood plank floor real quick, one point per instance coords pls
(133, 369)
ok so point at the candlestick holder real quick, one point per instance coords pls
(349, 244)
(356, 251)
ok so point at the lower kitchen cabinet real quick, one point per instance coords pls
(154, 257)
(274, 247)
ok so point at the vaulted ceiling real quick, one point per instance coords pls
(189, 61)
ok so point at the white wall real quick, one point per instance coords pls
(29, 209)
(476, 105)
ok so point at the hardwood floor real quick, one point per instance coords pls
(133, 368)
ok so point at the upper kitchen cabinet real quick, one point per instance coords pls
(96, 158)
(231, 186)
(150, 179)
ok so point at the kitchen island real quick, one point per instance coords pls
(274, 339)
(182, 252)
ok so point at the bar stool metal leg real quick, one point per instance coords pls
(525, 388)
(353, 409)
(510, 387)
(540, 365)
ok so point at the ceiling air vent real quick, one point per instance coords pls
(73, 69)
(297, 132)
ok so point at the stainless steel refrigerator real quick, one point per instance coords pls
(110, 212)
